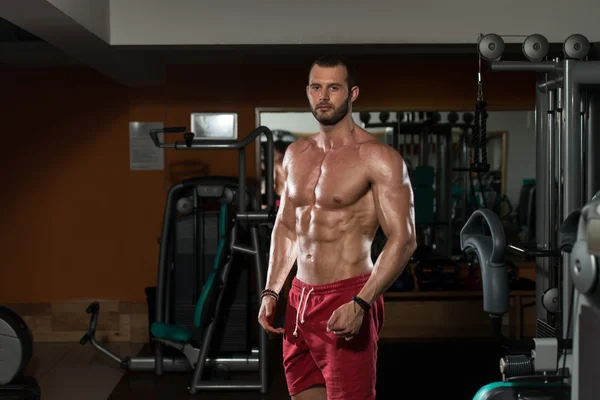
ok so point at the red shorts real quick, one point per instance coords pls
(314, 356)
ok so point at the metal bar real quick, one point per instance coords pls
(244, 249)
(269, 165)
(560, 161)
(210, 330)
(147, 364)
(550, 192)
(593, 144)
(197, 233)
(586, 73)
(541, 227)
(228, 145)
(105, 351)
(522, 66)
(257, 216)
(465, 177)
(523, 252)
(198, 144)
(444, 190)
(181, 364)
(242, 180)
(262, 335)
(163, 268)
(228, 385)
(583, 141)
(546, 86)
(572, 193)
(559, 154)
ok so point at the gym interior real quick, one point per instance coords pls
(150, 131)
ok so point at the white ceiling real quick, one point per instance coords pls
(132, 41)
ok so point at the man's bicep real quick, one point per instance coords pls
(394, 199)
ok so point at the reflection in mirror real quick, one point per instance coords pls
(436, 147)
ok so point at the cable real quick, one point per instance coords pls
(565, 350)
(483, 135)
(483, 199)
(475, 143)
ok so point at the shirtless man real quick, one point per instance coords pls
(341, 184)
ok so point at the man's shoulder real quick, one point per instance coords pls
(376, 153)
(299, 146)
(296, 148)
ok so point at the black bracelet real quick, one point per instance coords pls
(269, 292)
(363, 304)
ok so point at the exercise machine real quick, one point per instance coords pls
(197, 330)
(559, 362)
(16, 350)
(531, 368)
(433, 206)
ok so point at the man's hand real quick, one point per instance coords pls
(266, 315)
(346, 320)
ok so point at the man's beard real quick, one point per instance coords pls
(337, 116)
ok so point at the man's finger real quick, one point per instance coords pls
(266, 324)
(331, 324)
(342, 333)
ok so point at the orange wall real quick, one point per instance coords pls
(78, 224)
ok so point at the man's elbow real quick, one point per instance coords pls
(410, 244)
(413, 246)
(407, 243)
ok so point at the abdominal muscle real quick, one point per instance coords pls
(333, 244)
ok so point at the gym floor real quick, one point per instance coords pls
(448, 369)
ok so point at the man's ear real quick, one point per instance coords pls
(354, 93)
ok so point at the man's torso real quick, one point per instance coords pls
(335, 211)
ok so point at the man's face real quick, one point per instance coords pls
(329, 95)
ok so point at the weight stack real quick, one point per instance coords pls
(544, 330)
(193, 262)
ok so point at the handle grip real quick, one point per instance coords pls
(94, 309)
(154, 134)
(484, 236)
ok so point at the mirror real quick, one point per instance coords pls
(436, 148)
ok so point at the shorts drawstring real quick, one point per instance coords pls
(303, 310)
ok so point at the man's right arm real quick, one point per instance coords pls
(283, 250)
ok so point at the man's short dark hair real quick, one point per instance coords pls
(333, 61)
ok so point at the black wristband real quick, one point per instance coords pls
(363, 304)
(269, 292)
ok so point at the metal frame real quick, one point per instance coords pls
(258, 359)
(560, 157)
(243, 215)
(567, 95)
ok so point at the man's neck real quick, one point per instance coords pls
(338, 135)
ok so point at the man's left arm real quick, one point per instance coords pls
(393, 197)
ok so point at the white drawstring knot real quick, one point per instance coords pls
(303, 310)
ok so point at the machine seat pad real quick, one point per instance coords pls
(523, 390)
(174, 333)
